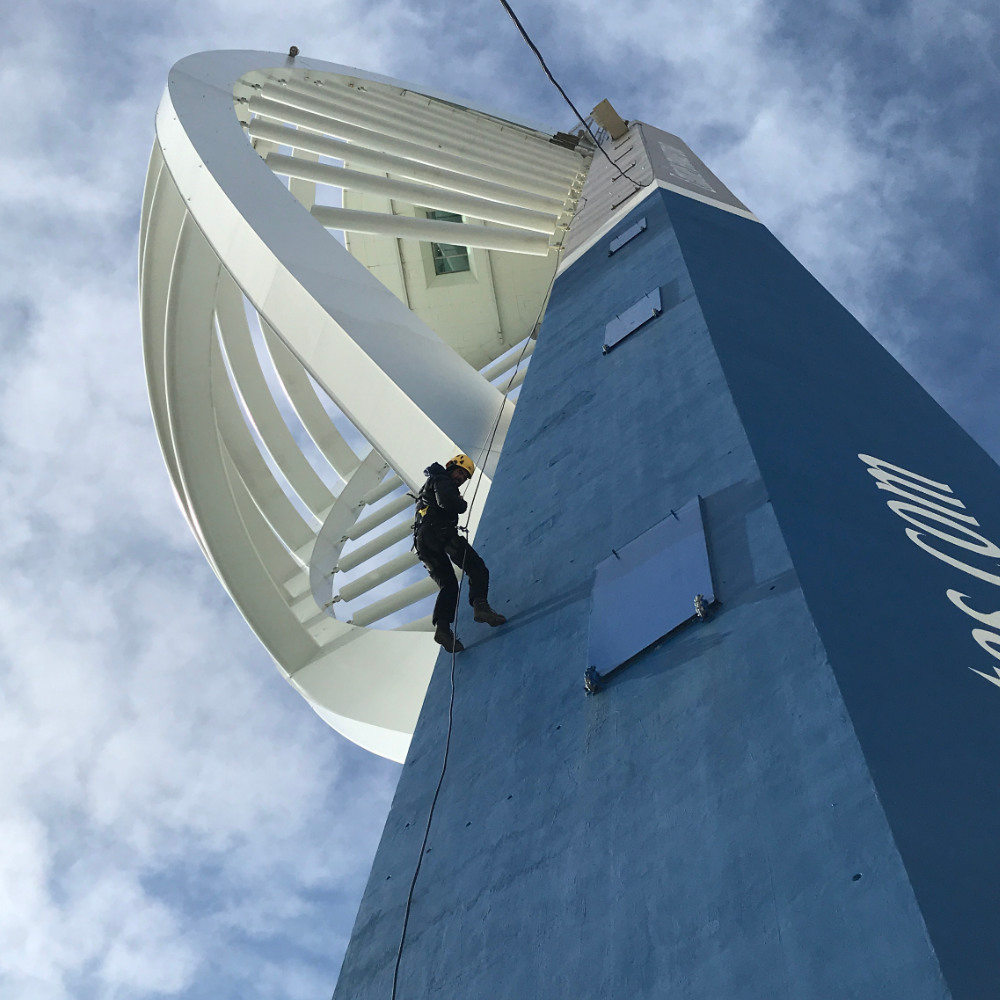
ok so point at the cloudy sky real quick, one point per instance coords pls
(174, 821)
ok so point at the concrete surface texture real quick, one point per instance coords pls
(790, 800)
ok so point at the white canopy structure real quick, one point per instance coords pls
(331, 265)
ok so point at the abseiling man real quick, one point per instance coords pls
(438, 544)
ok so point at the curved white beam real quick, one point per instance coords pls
(307, 114)
(219, 230)
(425, 195)
(437, 118)
(257, 399)
(459, 233)
(302, 396)
(330, 311)
(451, 180)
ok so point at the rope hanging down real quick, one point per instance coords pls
(534, 48)
(451, 703)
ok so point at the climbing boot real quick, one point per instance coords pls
(482, 612)
(444, 636)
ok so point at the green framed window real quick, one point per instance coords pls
(448, 258)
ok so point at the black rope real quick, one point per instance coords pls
(437, 792)
(496, 423)
(510, 382)
(534, 48)
(458, 600)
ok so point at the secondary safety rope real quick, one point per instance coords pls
(534, 48)
(458, 599)
(510, 382)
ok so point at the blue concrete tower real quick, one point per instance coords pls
(792, 798)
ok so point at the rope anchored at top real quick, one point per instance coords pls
(534, 48)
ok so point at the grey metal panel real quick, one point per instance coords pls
(647, 588)
(637, 314)
(629, 234)
(649, 157)
(675, 162)
(605, 190)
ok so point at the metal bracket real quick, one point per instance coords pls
(592, 680)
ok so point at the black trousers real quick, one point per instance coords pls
(437, 549)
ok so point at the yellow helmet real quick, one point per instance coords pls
(463, 462)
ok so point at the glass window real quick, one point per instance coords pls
(448, 258)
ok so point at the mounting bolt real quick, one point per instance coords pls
(592, 680)
(293, 51)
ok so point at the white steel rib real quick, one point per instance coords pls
(336, 272)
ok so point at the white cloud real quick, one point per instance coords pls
(174, 819)
(166, 798)
(144, 752)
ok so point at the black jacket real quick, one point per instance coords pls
(439, 502)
